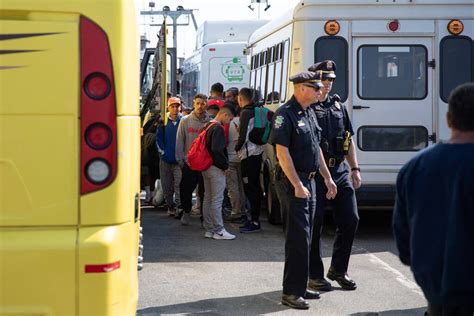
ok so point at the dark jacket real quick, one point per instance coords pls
(247, 113)
(433, 222)
(166, 139)
(216, 145)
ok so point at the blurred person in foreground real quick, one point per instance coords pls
(434, 213)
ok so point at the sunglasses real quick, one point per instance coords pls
(311, 86)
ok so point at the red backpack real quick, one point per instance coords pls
(199, 158)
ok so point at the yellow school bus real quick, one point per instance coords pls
(69, 157)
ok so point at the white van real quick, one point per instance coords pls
(397, 61)
(218, 57)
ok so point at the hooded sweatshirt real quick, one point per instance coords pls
(188, 130)
(166, 139)
(244, 147)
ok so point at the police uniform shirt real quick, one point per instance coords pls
(298, 130)
(333, 119)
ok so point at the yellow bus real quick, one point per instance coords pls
(69, 157)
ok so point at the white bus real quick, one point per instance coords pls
(397, 61)
(218, 57)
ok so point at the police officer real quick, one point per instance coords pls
(337, 146)
(295, 134)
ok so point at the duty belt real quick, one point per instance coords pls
(332, 162)
(307, 175)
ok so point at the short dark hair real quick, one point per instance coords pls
(247, 94)
(217, 88)
(233, 106)
(461, 107)
(200, 96)
(233, 90)
(228, 109)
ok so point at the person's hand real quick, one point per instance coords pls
(356, 179)
(332, 188)
(302, 192)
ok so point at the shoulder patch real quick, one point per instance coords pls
(278, 121)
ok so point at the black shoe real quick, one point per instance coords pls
(252, 227)
(311, 295)
(319, 285)
(294, 301)
(342, 278)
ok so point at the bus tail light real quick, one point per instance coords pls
(97, 86)
(98, 144)
(98, 136)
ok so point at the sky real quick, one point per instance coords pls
(207, 10)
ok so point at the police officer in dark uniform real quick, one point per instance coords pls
(337, 147)
(296, 135)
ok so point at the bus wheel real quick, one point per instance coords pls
(273, 206)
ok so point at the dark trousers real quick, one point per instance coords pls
(346, 218)
(448, 310)
(299, 215)
(251, 178)
(189, 180)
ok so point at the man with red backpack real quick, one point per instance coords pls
(214, 176)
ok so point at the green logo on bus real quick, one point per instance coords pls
(233, 70)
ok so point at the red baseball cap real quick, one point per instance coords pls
(217, 102)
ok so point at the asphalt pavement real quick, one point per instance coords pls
(186, 274)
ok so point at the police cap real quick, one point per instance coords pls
(326, 69)
(308, 78)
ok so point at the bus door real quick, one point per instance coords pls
(392, 112)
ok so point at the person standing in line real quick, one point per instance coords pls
(250, 155)
(217, 91)
(169, 169)
(235, 186)
(231, 94)
(434, 213)
(337, 148)
(296, 136)
(188, 130)
(214, 177)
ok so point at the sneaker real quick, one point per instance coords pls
(223, 235)
(178, 213)
(196, 210)
(208, 234)
(252, 227)
(185, 219)
(245, 224)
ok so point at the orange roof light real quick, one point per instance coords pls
(455, 27)
(332, 27)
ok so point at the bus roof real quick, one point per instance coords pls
(225, 31)
(368, 10)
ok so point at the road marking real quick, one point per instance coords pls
(412, 286)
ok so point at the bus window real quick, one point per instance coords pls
(334, 48)
(270, 77)
(277, 85)
(456, 63)
(392, 72)
(286, 56)
(392, 138)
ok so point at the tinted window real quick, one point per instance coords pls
(456, 63)
(392, 72)
(392, 138)
(334, 48)
(189, 86)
